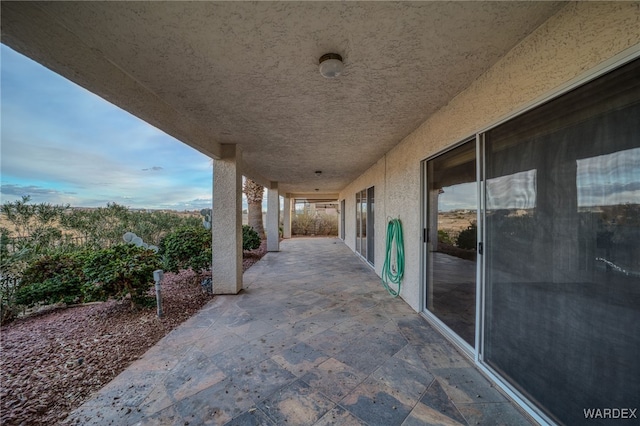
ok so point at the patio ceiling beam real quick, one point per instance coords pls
(314, 196)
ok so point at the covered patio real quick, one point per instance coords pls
(313, 339)
(543, 94)
(240, 82)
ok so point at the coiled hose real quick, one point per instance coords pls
(393, 268)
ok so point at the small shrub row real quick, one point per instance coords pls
(86, 275)
(44, 227)
(89, 276)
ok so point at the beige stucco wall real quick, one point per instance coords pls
(580, 39)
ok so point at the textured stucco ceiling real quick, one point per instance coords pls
(245, 73)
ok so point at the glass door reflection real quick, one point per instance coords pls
(451, 254)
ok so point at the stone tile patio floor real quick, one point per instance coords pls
(313, 339)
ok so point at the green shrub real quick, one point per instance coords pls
(467, 239)
(186, 247)
(443, 237)
(12, 265)
(120, 270)
(51, 279)
(250, 238)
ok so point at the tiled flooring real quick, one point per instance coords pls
(313, 339)
(454, 294)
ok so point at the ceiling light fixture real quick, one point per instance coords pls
(331, 65)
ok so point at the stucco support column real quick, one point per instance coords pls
(226, 221)
(273, 218)
(286, 226)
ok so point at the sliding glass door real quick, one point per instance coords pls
(559, 248)
(342, 220)
(562, 249)
(451, 192)
(365, 215)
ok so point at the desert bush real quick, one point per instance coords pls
(186, 247)
(34, 226)
(12, 264)
(50, 243)
(120, 270)
(326, 224)
(467, 239)
(314, 224)
(51, 279)
(27, 218)
(45, 228)
(303, 224)
(105, 226)
(443, 237)
(250, 238)
(152, 226)
(101, 227)
(86, 276)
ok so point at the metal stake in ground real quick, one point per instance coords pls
(157, 277)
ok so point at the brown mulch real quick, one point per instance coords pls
(51, 363)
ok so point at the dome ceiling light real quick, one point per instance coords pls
(331, 65)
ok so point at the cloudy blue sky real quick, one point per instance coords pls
(62, 144)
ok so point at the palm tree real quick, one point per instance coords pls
(254, 192)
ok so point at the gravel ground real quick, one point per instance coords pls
(52, 362)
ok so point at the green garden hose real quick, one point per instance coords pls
(393, 268)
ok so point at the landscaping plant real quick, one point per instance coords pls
(120, 270)
(186, 247)
(250, 238)
(34, 224)
(467, 239)
(11, 267)
(52, 279)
